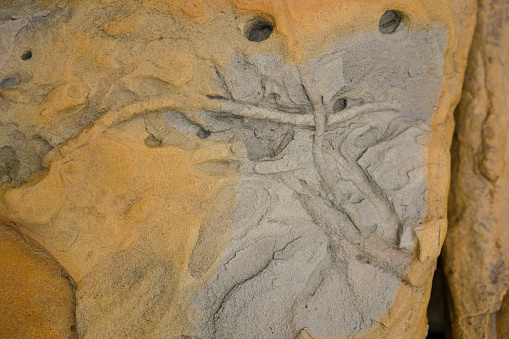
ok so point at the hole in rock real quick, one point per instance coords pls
(9, 82)
(152, 142)
(203, 133)
(389, 22)
(258, 30)
(27, 55)
(339, 105)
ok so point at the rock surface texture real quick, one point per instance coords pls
(234, 169)
(476, 250)
(36, 295)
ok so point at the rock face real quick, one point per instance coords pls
(476, 251)
(234, 169)
(37, 296)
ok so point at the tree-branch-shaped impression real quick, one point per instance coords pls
(331, 208)
(327, 210)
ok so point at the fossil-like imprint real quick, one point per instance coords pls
(321, 118)
(325, 186)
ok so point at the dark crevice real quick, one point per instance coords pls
(437, 307)
(217, 97)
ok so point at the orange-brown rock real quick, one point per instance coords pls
(36, 295)
(234, 169)
(476, 250)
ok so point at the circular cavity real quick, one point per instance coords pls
(389, 22)
(339, 105)
(27, 55)
(203, 133)
(258, 30)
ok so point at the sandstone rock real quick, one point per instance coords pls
(476, 253)
(37, 297)
(234, 169)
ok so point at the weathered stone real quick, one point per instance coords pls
(36, 294)
(476, 252)
(234, 169)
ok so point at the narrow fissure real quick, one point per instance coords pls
(437, 308)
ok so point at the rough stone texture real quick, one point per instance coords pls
(476, 250)
(198, 179)
(36, 295)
